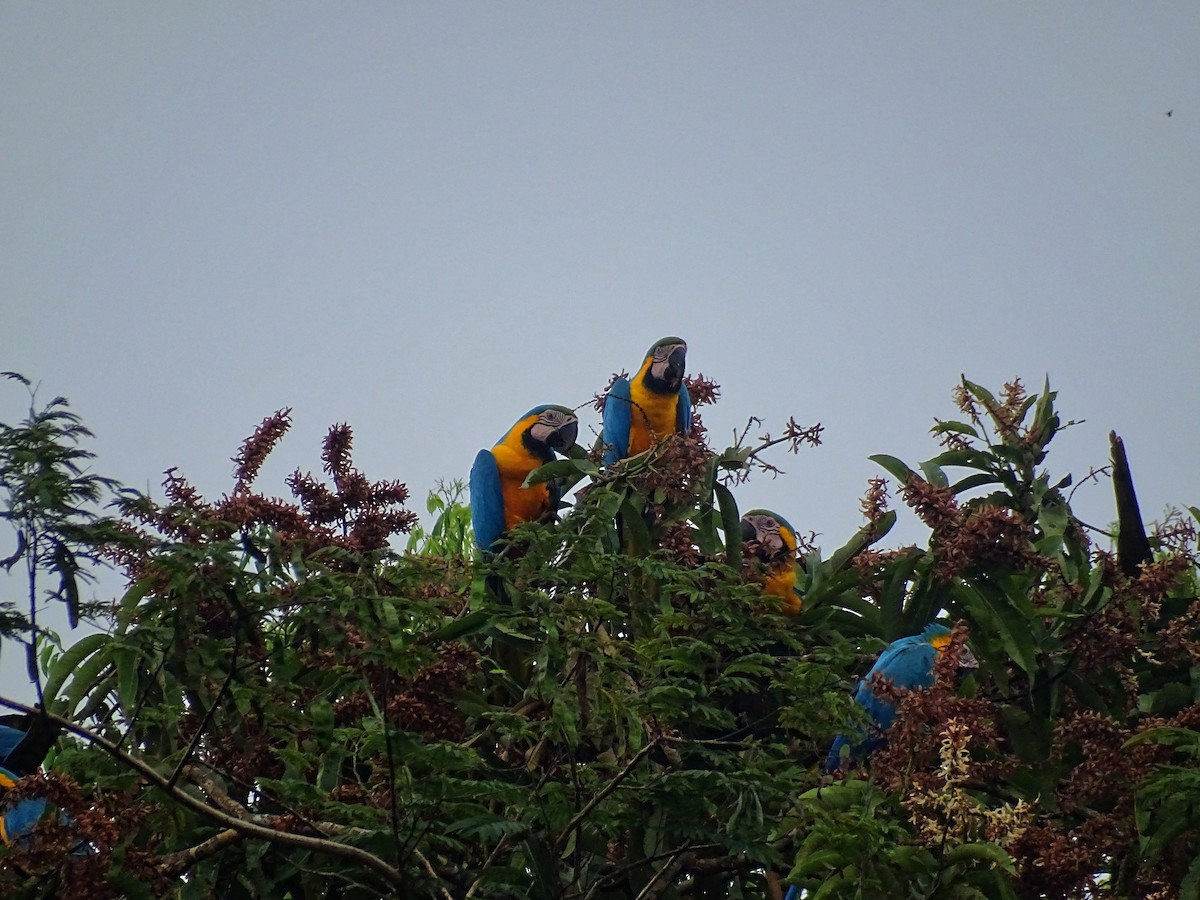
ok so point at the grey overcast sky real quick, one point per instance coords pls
(424, 218)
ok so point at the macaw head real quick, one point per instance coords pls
(768, 536)
(939, 637)
(665, 365)
(554, 428)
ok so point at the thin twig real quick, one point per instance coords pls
(208, 715)
(560, 842)
(431, 872)
(665, 874)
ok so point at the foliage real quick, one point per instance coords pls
(48, 500)
(284, 706)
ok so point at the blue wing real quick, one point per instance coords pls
(683, 411)
(618, 406)
(908, 663)
(19, 819)
(487, 500)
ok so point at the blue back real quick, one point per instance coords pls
(907, 662)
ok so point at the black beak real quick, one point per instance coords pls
(564, 437)
(749, 533)
(676, 365)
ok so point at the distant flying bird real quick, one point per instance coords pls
(641, 411)
(1170, 112)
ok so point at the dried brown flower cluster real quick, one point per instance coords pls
(702, 391)
(91, 828)
(984, 535)
(357, 515)
(968, 536)
(422, 704)
(1007, 414)
(875, 502)
(935, 505)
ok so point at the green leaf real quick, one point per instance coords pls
(979, 392)
(1002, 619)
(472, 623)
(893, 466)
(731, 525)
(973, 481)
(560, 468)
(66, 663)
(967, 458)
(954, 428)
(635, 531)
(934, 475)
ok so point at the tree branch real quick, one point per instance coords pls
(178, 863)
(560, 842)
(247, 829)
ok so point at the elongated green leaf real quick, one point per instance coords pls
(954, 428)
(471, 623)
(730, 524)
(69, 661)
(934, 475)
(560, 468)
(898, 469)
(863, 538)
(1005, 621)
(635, 532)
(973, 481)
(129, 603)
(979, 391)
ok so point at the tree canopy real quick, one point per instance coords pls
(285, 704)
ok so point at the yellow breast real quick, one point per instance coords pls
(652, 417)
(521, 504)
(780, 583)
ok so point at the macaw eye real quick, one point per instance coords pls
(663, 351)
(763, 524)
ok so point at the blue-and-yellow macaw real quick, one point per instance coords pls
(21, 752)
(498, 500)
(653, 404)
(908, 663)
(769, 538)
